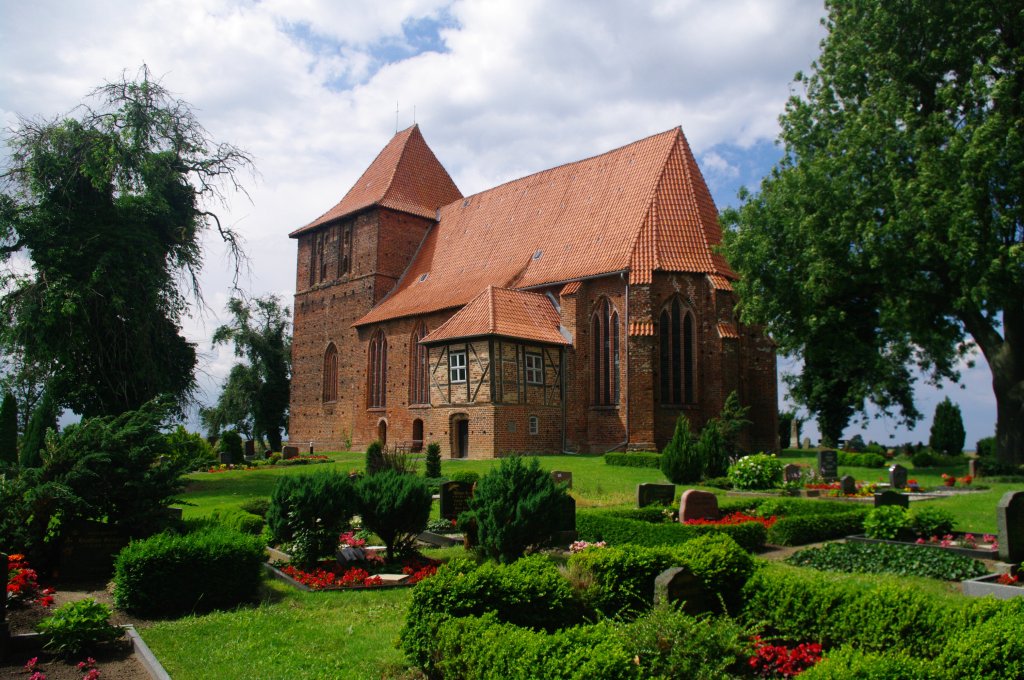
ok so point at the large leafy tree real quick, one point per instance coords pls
(109, 207)
(891, 234)
(259, 330)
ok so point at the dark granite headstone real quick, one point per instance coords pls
(250, 448)
(311, 448)
(791, 472)
(224, 457)
(289, 451)
(890, 497)
(828, 465)
(848, 485)
(88, 550)
(696, 504)
(455, 498)
(649, 494)
(562, 477)
(898, 477)
(565, 525)
(1010, 520)
(681, 585)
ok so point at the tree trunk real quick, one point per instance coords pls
(1007, 364)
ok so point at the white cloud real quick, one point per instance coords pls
(508, 87)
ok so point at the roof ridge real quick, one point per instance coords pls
(401, 157)
(650, 202)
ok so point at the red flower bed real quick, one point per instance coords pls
(771, 661)
(734, 518)
(23, 583)
(328, 574)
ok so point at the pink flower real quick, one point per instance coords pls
(32, 663)
(920, 541)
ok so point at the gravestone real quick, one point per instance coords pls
(1010, 520)
(289, 451)
(791, 472)
(565, 523)
(828, 465)
(848, 485)
(679, 584)
(890, 497)
(455, 498)
(649, 494)
(562, 477)
(696, 504)
(806, 443)
(794, 434)
(973, 467)
(311, 448)
(224, 457)
(88, 550)
(898, 477)
(250, 449)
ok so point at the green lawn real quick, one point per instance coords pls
(353, 633)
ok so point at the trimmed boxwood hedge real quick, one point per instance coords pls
(804, 529)
(867, 460)
(170, 574)
(644, 459)
(602, 525)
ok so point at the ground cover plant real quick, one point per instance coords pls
(877, 558)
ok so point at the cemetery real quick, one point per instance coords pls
(631, 554)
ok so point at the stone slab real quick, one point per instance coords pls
(697, 504)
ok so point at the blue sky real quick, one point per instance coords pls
(500, 88)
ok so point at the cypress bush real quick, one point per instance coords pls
(516, 507)
(44, 417)
(172, 575)
(712, 450)
(9, 430)
(680, 461)
(230, 443)
(947, 433)
(433, 460)
(394, 506)
(374, 458)
(308, 512)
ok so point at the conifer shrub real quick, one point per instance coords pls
(9, 430)
(680, 461)
(307, 513)
(43, 418)
(712, 450)
(394, 506)
(230, 444)
(516, 508)
(947, 433)
(433, 460)
(374, 458)
(171, 575)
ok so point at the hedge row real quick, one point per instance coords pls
(602, 525)
(867, 460)
(804, 529)
(663, 643)
(873, 614)
(170, 574)
(644, 459)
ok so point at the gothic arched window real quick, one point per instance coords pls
(378, 371)
(676, 330)
(330, 373)
(419, 368)
(605, 357)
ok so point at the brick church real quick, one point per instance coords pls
(582, 309)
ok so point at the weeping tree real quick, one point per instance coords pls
(259, 331)
(109, 205)
(890, 237)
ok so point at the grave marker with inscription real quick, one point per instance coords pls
(565, 524)
(898, 477)
(890, 497)
(290, 451)
(649, 493)
(791, 472)
(1010, 520)
(828, 465)
(696, 504)
(88, 550)
(848, 485)
(679, 584)
(455, 498)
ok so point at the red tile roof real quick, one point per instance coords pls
(727, 330)
(640, 208)
(405, 176)
(719, 282)
(506, 313)
(570, 288)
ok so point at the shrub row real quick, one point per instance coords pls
(169, 574)
(601, 525)
(804, 529)
(663, 643)
(866, 460)
(644, 459)
(886, 558)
